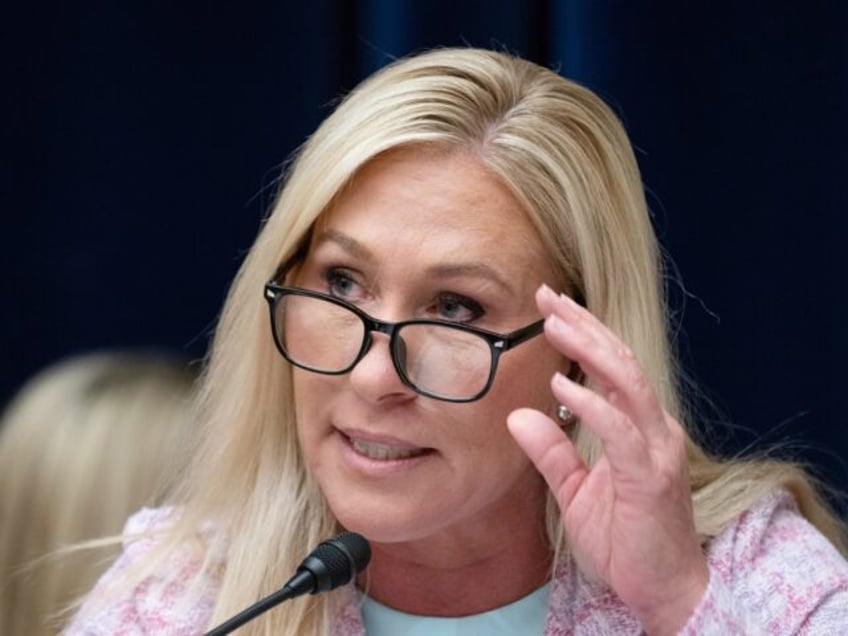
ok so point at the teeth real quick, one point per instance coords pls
(381, 451)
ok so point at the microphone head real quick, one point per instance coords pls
(336, 561)
(356, 547)
(331, 564)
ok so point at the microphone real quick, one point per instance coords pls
(333, 563)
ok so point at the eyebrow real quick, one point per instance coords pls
(477, 270)
(439, 270)
(347, 243)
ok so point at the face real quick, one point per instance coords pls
(420, 234)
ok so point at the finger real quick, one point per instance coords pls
(551, 452)
(610, 364)
(604, 359)
(625, 446)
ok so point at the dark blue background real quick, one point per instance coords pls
(142, 141)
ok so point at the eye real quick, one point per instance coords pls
(457, 308)
(341, 284)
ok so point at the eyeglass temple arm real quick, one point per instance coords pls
(525, 333)
(521, 335)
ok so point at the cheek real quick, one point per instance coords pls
(481, 430)
(302, 394)
(524, 377)
(311, 392)
(309, 398)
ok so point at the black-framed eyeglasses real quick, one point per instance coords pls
(447, 361)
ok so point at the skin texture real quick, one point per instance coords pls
(459, 529)
(629, 519)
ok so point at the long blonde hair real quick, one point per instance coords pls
(567, 159)
(84, 443)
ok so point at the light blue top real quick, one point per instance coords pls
(524, 617)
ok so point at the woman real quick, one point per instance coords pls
(552, 490)
(83, 444)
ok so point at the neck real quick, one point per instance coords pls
(461, 573)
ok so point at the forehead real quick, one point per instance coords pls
(425, 205)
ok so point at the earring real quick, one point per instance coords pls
(566, 415)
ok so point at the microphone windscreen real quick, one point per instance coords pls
(356, 547)
(333, 563)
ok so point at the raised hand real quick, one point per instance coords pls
(628, 519)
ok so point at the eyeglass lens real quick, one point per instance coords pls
(437, 359)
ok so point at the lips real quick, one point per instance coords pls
(383, 449)
(374, 450)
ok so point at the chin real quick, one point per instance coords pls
(391, 524)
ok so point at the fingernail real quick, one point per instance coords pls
(559, 379)
(555, 323)
(547, 291)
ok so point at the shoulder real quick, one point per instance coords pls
(771, 530)
(771, 569)
(142, 528)
(153, 590)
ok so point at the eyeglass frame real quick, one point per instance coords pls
(498, 343)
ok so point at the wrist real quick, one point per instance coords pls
(672, 613)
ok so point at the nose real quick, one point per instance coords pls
(375, 377)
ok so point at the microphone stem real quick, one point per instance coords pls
(330, 565)
(254, 610)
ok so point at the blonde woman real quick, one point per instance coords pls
(85, 443)
(467, 362)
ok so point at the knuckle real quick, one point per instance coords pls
(625, 353)
(637, 380)
(628, 430)
(666, 475)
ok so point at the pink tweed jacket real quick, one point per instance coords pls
(770, 573)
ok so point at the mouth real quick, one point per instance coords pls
(373, 450)
(384, 450)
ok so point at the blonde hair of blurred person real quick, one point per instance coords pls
(84, 443)
(566, 158)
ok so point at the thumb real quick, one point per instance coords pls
(550, 450)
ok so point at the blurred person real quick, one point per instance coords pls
(83, 444)
(467, 360)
